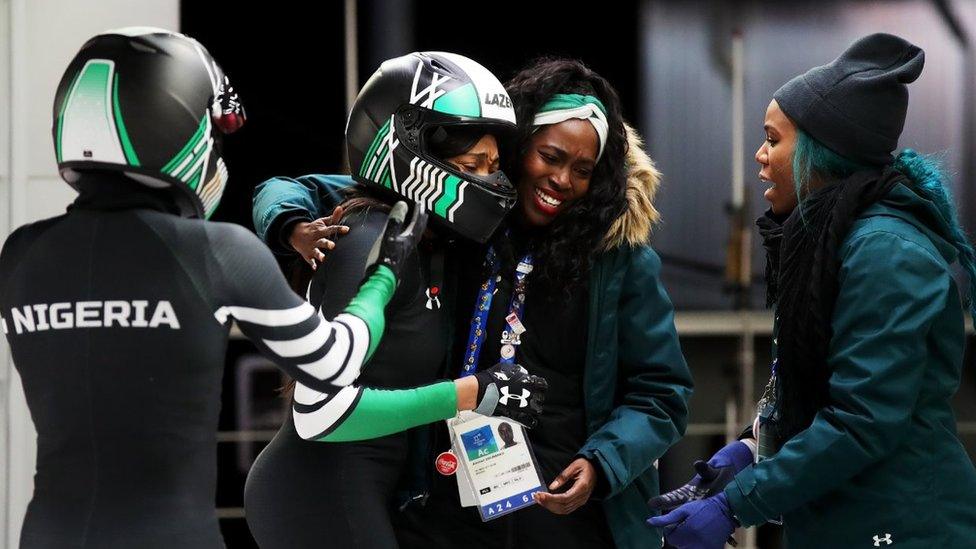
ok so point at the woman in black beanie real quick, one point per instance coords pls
(855, 435)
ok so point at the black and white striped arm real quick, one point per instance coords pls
(316, 414)
(320, 354)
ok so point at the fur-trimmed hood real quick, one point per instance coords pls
(634, 226)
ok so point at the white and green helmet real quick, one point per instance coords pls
(391, 124)
(152, 104)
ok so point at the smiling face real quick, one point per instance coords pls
(775, 157)
(556, 169)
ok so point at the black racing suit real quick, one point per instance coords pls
(117, 314)
(317, 491)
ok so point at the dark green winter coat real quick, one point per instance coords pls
(882, 462)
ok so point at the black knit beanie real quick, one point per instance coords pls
(856, 104)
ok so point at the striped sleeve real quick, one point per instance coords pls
(354, 413)
(319, 353)
(303, 343)
(317, 414)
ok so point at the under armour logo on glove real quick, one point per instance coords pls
(509, 390)
(523, 398)
(886, 539)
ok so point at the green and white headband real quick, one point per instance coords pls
(566, 106)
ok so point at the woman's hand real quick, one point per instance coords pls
(583, 477)
(310, 238)
(509, 390)
(700, 524)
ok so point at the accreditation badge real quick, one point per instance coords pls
(497, 472)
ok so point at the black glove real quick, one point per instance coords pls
(711, 477)
(509, 390)
(399, 239)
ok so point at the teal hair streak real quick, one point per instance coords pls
(812, 159)
(931, 183)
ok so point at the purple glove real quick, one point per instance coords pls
(701, 524)
(711, 478)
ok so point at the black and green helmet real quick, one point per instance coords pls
(392, 122)
(152, 104)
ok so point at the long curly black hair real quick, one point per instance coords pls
(563, 253)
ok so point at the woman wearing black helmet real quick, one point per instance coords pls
(599, 322)
(857, 442)
(121, 345)
(423, 128)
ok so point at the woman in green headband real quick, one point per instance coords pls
(599, 325)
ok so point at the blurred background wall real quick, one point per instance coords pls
(673, 65)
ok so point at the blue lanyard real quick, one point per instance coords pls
(482, 306)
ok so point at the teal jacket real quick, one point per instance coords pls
(636, 387)
(882, 461)
(282, 201)
(636, 381)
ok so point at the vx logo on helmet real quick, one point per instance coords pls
(431, 92)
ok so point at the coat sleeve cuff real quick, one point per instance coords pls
(280, 229)
(611, 483)
(745, 501)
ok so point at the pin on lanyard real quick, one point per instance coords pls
(514, 328)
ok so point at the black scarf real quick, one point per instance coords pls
(802, 265)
